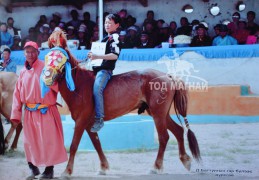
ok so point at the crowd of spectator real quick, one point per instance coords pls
(152, 33)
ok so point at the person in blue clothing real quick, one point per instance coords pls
(5, 37)
(223, 38)
(6, 64)
(104, 72)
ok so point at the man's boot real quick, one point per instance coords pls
(34, 171)
(48, 173)
(98, 124)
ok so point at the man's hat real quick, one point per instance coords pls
(164, 25)
(71, 27)
(200, 26)
(16, 37)
(31, 44)
(132, 28)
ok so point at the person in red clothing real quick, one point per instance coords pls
(43, 134)
(233, 26)
(241, 32)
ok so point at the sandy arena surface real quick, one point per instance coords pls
(229, 151)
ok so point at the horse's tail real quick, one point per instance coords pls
(2, 143)
(180, 106)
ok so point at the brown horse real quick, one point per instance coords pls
(123, 94)
(7, 84)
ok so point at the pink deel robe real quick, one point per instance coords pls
(43, 133)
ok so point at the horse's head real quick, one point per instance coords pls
(57, 57)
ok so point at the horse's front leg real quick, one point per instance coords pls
(98, 147)
(79, 129)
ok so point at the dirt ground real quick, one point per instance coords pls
(229, 151)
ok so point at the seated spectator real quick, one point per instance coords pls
(232, 26)
(163, 35)
(71, 35)
(95, 36)
(123, 43)
(62, 26)
(152, 33)
(216, 31)
(82, 37)
(223, 38)
(43, 20)
(194, 24)
(10, 28)
(75, 22)
(185, 28)
(31, 36)
(150, 19)
(7, 64)
(89, 24)
(5, 37)
(123, 13)
(131, 21)
(172, 28)
(145, 43)
(56, 18)
(253, 37)
(16, 43)
(251, 25)
(241, 32)
(53, 25)
(160, 23)
(201, 39)
(44, 35)
(133, 39)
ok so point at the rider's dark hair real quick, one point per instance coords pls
(115, 17)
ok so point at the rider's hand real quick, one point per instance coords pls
(92, 56)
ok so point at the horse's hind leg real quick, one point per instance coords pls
(97, 145)
(179, 134)
(163, 138)
(17, 135)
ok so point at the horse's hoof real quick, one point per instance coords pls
(186, 160)
(12, 151)
(187, 165)
(102, 172)
(6, 146)
(65, 175)
(156, 171)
